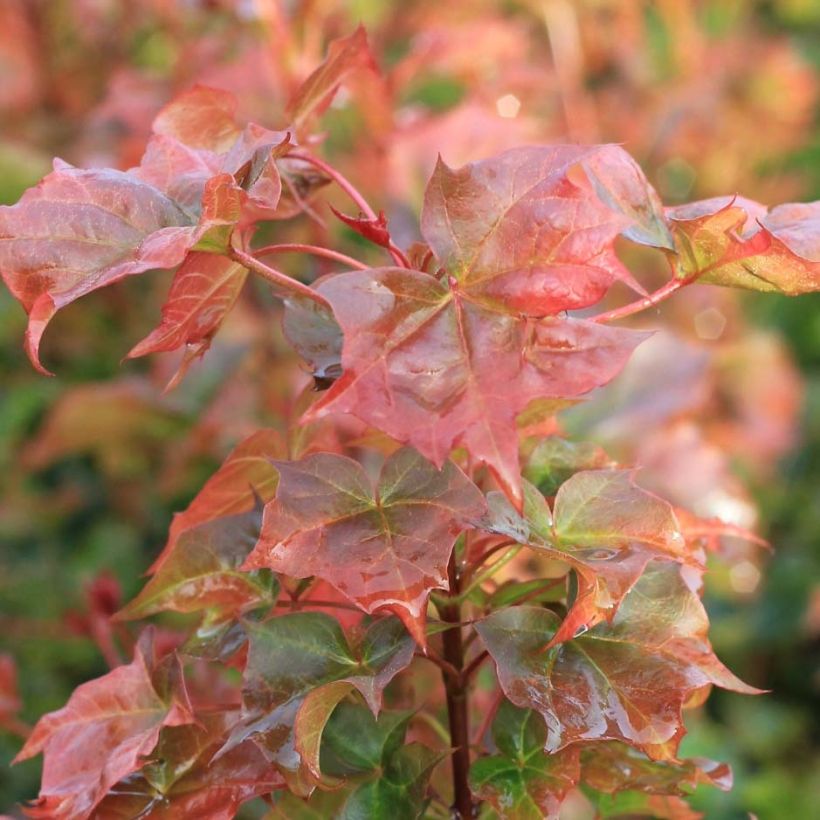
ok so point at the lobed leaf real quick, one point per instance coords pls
(292, 656)
(104, 731)
(434, 368)
(384, 547)
(626, 681)
(521, 782)
(736, 242)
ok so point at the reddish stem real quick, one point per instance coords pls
(653, 299)
(355, 195)
(445, 666)
(278, 278)
(457, 707)
(316, 250)
(474, 665)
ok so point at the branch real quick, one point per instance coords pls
(653, 299)
(316, 250)
(278, 278)
(350, 189)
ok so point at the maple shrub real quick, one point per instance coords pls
(334, 566)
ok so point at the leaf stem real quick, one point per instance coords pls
(350, 189)
(457, 707)
(316, 250)
(479, 578)
(277, 278)
(653, 299)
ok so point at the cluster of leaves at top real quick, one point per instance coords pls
(461, 352)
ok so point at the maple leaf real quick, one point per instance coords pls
(385, 547)
(520, 781)
(623, 681)
(245, 475)
(736, 242)
(373, 229)
(204, 289)
(613, 767)
(554, 460)
(290, 658)
(202, 572)
(345, 56)
(101, 735)
(522, 237)
(431, 367)
(604, 526)
(79, 230)
(181, 780)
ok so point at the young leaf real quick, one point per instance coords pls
(625, 681)
(614, 767)
(605, 508)
(182, 780)
(203, 292)
(436, 368)
(554, 460)
(101, 735)
(385, 547)
(202, 572)
(733, 241)
(80, 230)
(521, 782)
(399, 793)
(246, 475)
(293, 655)
(344, 56)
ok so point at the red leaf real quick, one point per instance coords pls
(246, 474)
(183, 781)
(101, 735)
(625, 681)
(436, 368)
(202, 118)
(344, 57)
(734, 241)
(203, 292)
(385, 547)
(80, 230)
(373, 229)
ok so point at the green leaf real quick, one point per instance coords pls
(399, 794)
(521, 782)
(293, 655)
(554, 460)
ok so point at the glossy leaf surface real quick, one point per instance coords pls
(625, 681)
(384, 547)
(521, 781)
(736, 242)
(291, 656)
(438, 367)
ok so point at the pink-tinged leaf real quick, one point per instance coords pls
(293, 655)
(344, 57)
(384, 547)
(433, 368)
(374, 230)
(614, 767)
(605, 575)
(202, 572)
(623, 681)
(104, 731)
(247, 474)
(183, 781)
(735, 242)
(81, 230)
(202, 118)
(526, 229)
(203, 292)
